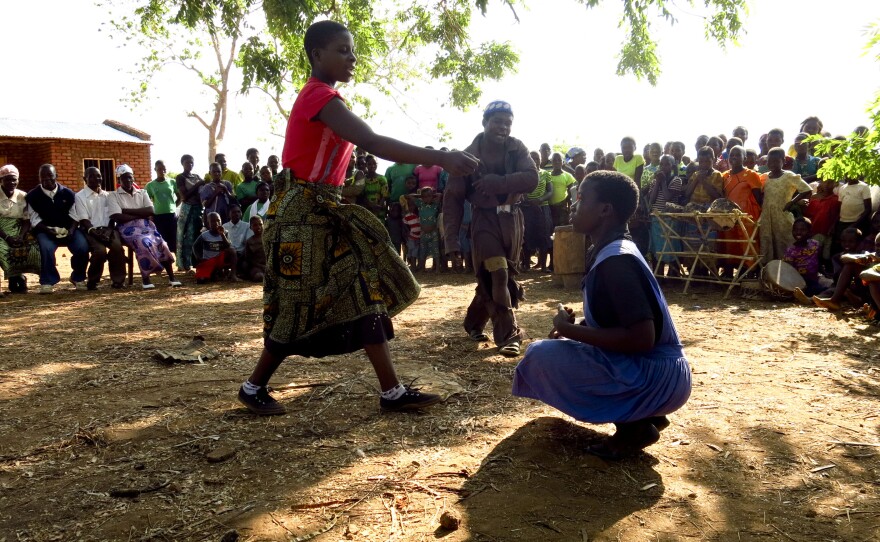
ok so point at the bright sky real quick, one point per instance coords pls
(798, 58)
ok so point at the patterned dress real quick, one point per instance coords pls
(23, 259)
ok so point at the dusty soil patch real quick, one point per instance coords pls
(101, 442)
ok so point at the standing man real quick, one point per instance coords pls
(105, 244)
(505, 174)
(51, 205)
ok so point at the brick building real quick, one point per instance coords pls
(71, 148)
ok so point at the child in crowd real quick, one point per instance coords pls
(627, 162)
(394, 225)
(253, 264)
(704, 186)
(413, 235)
(189, 220)
(666, 188)
(782, 191)
(744, 188)
(213, 252)
(375, 191)
(246, 191)
(428, 176)
(261, 206)
(823, 211)
(803, 255)
(428, 207)
(217, 195)
(165, 197)
(655, 151)
(751, 159)
(236, 229)
(625, 363)
(805, 164)
(855, 205)
(846, 273)
(608, 161)
(266, 175)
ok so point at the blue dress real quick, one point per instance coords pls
(599, 386)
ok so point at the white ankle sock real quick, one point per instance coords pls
(394, 393)
(250, 389)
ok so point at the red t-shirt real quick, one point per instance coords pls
(313, 151)
(823, 213)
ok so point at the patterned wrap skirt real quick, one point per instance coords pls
(17, 260)
(330, 267)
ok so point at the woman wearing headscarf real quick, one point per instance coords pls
(19, 250)
(132, 210)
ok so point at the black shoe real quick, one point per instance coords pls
(91, 286)
(261, 403)
(412, 399)
(18, 284)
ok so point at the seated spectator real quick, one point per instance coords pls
(51, 205)
(803, 255)
(213, 253)
(217, 194)
(847, 266)
(132, 209)
(92, 210)
(253, 263)
(261, 206)
(19, 250)
(237, 230)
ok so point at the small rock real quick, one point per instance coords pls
(449, 521)
(230, 536)
(220, 455)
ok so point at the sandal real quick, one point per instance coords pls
(478, 335)
(510, 350)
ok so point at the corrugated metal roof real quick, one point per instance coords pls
(39, 129)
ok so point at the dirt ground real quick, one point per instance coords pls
(100, 442)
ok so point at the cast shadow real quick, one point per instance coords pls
(539, 484)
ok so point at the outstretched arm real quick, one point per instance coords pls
(352, 128)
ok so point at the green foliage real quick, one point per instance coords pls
(857, 156)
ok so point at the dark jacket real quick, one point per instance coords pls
(53, 212)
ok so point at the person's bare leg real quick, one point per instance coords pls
(846, 275)
(169, 268)
(233, 265)
(380, 356)
(266, 367)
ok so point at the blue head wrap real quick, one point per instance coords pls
(498, 106)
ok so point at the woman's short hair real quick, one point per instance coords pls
(319, 35)
(777, 152)
(617, 189)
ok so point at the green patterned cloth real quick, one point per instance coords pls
(326, 263)
(17, 260)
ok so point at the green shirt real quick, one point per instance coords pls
(541, 189)
(163, 194)
(246, 190)
(396, 176)
(560, 184)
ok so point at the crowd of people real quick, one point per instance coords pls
(341, 242)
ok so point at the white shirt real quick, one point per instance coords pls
(238, 234)
(16, 206)
(120, 200)
(92, 206)
(852, 200)
(259, 209)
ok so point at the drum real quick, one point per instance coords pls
(780, 279)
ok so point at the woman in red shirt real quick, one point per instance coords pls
(333, 280)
